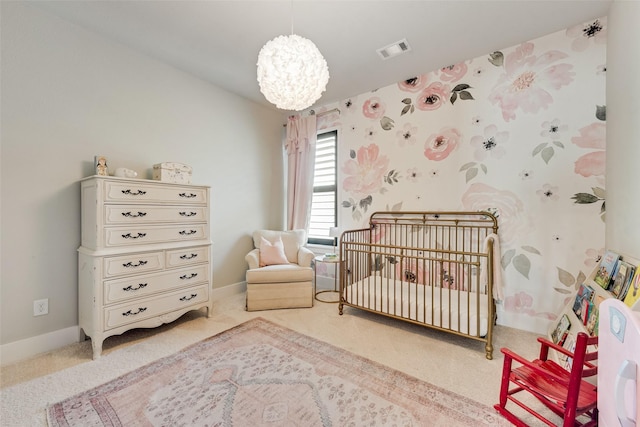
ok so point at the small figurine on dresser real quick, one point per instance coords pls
(101, 166)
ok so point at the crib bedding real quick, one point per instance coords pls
(459, 311)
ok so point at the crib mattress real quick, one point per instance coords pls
(460, 311)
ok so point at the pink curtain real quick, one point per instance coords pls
(301, 153)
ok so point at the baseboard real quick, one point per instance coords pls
(225, 291)
(29, 347)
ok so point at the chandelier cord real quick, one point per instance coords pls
(291, 17)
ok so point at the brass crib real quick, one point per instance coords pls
(434, 269)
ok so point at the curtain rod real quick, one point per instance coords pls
(313, 113)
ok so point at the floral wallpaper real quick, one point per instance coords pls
(519, 132)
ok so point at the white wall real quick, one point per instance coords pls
(623, 128)
(67, 95)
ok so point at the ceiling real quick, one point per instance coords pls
(219, 41)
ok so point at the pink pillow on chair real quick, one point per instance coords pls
(272, 254)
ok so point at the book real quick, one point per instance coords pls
(631, 270)
(605, 269)
(592, 323)
(559, 334)
(586, 305)
(569, 344)
(633, 293)
(618, 278)
(330, 257)
(581, 302)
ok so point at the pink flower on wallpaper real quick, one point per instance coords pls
(584, 34)
(529, 80)
(377, 234)
(592, 136)
(512, 219)
(365, 173)
(440, 145)
(414, 84)
(592, 164)
(407, 135)
(492, 143)
(453, 73)
(373, 108)
(432, 97)
(521, 302)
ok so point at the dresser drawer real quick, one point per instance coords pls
(133, 263)
(154, 306)
(127, 236)
(146, 284)
(187, 256)
(134, 192)
(149, 214)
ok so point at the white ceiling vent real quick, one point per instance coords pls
(394, 49)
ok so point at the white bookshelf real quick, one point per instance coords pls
(577, 324)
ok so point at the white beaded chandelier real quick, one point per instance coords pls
(292, 72)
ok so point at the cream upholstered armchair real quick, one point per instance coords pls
(280, 274)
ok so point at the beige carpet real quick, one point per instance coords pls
(453, 363)
(259, 373)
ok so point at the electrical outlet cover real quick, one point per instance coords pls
(40, 307)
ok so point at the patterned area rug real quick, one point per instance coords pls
(259, 373)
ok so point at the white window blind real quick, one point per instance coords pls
(323, 204)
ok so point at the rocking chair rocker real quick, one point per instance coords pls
(564, 392)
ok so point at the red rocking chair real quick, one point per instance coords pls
(566, 393)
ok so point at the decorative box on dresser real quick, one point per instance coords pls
(145, 255)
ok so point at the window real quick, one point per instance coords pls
(324, 201)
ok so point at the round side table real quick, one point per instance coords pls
(334, 291)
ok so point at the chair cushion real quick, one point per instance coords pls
(282, 273)
(272, 253)
(291, 240)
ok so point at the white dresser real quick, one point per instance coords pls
(145, 255)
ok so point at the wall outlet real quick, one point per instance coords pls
(41, 307)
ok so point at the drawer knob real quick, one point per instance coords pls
(133, 313)
(187, 277)
(130, 215)
(187, 213)
(130, 264)
(131, 288)
(185, 298)
(129, 236)
(185, 256)
(188, 196)
(137, 193)
(187, 233)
